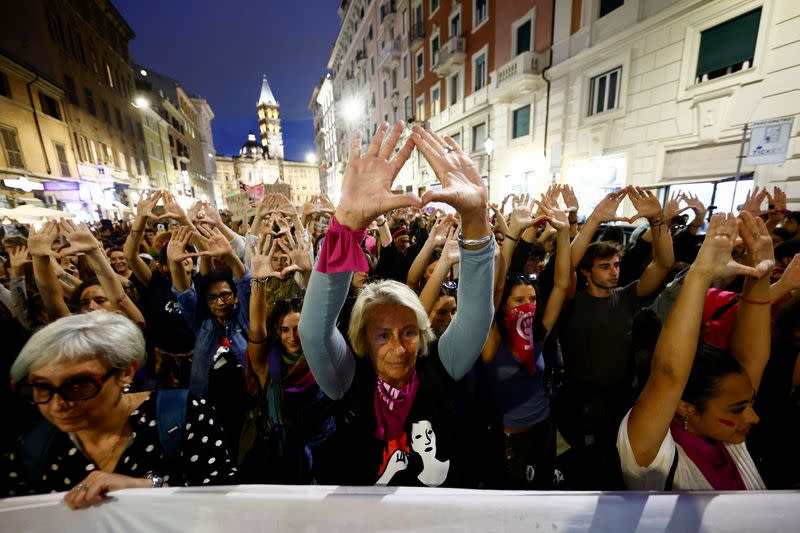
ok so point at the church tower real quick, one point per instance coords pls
(269, 122)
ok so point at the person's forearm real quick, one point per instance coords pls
(778, 290)
(326, 352)
(430, 293)
(19, 299)
(563, 267)
(235, 264)
(49, 288)
(468, 330)
(474, 225)
(582, 241)
(750, 338)
(108, 278)
(258, 311)
(180, 279)
(384, 233)
(417, 269)
(663, 253)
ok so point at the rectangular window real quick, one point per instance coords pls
(11, 147)
(93, 151)
(434, 6)
(405, 66)
(420, 109)
(106, 112)
(5, 88)
(403, 18)
(122, 163)
(524, 37)
(479, 72)
(728, 47)
(77, 47)
(522, 122)
(384, 88)
(87, 93)
(436, 100)
(457, 138)
(434, 49)
(481, 12)
(455, 88)
(455, 26)
(49, 106)
(109, 76)
(607, 6)
(394, 79)
(120, 124)
(372, 66)
(57, 30)
(61, 155)
(419, 61)
(369, 33)
(478, 136)
(407, 107)
(72, 93)
(603, 91)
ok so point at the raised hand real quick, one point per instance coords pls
(694, 203)
(756, 237)
(80, 238)
(569, 197)
(367, 182)
(791, 274)
(462, 186)
(40, 244)
(18, 257)
(521, 217)
(147, 202)
(261, 252)
(216, 244)
(555, 216)
(672, 207)
(499, 220)
(451, 254)
(645, 203)
(209, 214)
(176, 248)
(754, 201)
(606, 210)
(776, 205)
(438, 233)
(172, 209)
(714, 258)
(299, 253)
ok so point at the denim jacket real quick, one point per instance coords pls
(208, 332)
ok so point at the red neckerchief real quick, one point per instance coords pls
(392, 406)
(519, 330)
(712, 459)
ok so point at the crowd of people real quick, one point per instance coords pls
(385, 341)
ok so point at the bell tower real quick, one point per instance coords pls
(269, 122)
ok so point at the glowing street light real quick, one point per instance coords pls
(352, 109)
(311, 157)
(141, 102)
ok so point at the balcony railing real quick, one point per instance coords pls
(389, 54)
(450, 57)
(521, 74)
(416, 35)
(361, 55)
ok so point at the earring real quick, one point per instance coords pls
(685, 421)
(126, 388)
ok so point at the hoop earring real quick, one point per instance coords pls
(126, 388)
(685, 421)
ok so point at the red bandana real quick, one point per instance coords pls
(519, 327)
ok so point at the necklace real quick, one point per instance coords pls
(110, 455)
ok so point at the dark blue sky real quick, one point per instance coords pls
(220, 49)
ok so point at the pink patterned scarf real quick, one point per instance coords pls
(712, 459)
(392, 407)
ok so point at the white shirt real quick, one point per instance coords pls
(687, 475)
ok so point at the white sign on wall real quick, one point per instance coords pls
(769, 141)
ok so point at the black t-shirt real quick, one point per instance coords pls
(596, 336)
(165, 325)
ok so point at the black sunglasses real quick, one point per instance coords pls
(529, 279)
(450, 287)
(74, 389)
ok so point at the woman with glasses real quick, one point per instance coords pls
(399, 424)
(96, 436)
(289, 423)
(514, 360)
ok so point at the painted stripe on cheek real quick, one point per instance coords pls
(729, 423)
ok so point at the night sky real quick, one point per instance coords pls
(220, 49)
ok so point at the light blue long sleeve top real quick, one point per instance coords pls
(333, 363)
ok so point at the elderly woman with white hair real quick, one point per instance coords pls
(97, 436)
(399, 423)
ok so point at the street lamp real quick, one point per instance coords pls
(488, 145)
(141, 102)
(311, 157)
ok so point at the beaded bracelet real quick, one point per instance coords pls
(474, 242)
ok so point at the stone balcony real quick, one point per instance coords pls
(389, 55)
(416, 35)
(450, 57)
(523, 74)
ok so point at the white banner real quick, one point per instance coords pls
(349, 509)
(769, 141)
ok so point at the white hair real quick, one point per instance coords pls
(386, 292)
(110, 337)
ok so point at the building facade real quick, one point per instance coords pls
(325, 139)
(83, 47)
(656, 93)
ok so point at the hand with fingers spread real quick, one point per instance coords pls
(176, 247)
(263, 252)
(570, 199)
(754, 201)
(462, 185)
(521, 217)
(714, 258)
(777, 206)
(216, 244)
(173, 210)
(556, 217)
(756, 237)
(80, 238)
(499, 220)
(367, 182)
(18, 257)
(147, 203)
(552, 194)
(606, 210)
(694, 203)
(450, 252)
(439, 231)
(299, 253)
(646, 205)
(672, 207)
(40, 244)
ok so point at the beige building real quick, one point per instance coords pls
(37, 149)
(83, 47)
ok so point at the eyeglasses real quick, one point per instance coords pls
(530, 279)
(223, 297)
(74, 389)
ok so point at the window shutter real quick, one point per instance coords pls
(729, 43)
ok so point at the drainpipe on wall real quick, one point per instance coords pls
(36, 121)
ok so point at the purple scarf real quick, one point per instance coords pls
(712, 459)
(392, 407)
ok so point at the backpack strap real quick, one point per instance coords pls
(171, 416)
(35, 447)
(672, 469)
